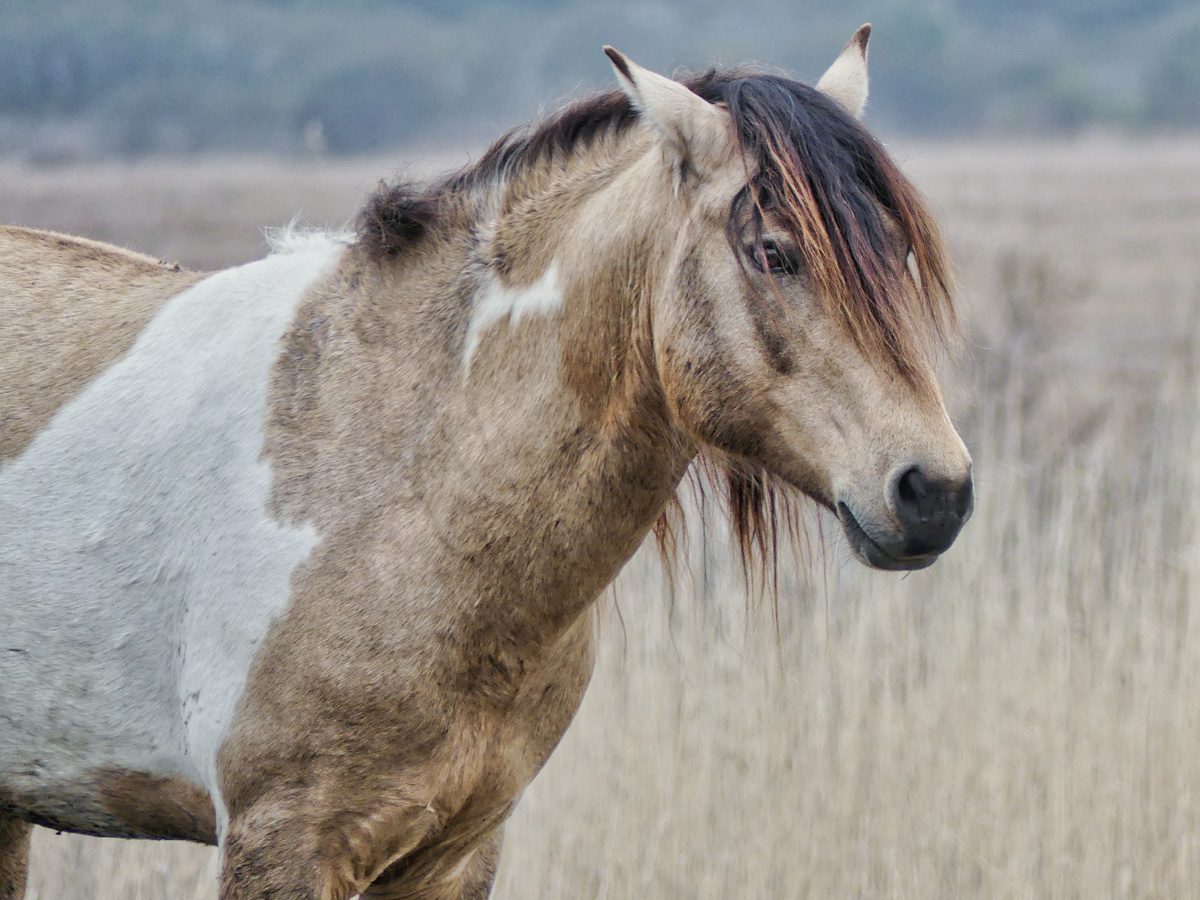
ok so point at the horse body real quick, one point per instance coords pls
(516, 485)
(304, 566)
(127, 644)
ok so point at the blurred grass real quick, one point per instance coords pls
(1020, 721)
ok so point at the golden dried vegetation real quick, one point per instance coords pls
(1020, 721)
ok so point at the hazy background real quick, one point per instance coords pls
(1019, 722)
(82, 80)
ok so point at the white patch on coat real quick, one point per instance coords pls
(139, 566)
(496, 303)
(296, 238)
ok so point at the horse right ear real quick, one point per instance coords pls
(846, 79)
(694, 130)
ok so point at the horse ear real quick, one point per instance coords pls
(695, 130)
(846, 79)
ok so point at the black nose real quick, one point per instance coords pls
(931, 510)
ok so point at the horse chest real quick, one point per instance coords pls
(139, 566)
(543, 707)
(496, 753)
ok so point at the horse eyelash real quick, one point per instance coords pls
(760, 258)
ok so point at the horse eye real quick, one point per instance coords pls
(775, 259)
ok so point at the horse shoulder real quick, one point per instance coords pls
(69, 308)
(136, 521)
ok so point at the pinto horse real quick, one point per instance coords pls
(297, 558)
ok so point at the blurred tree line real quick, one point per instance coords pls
(84, 79)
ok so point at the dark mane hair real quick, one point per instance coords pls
(399, 214)
(817, 172)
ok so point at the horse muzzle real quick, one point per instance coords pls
(926, 515)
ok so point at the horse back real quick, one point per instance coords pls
(69, 307)
(140, 563)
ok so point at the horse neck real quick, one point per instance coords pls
(558, 436)
(531, 466)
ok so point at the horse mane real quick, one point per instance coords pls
(399, 214)
(813, 168)
(832, 185)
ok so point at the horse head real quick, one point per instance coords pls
(805, 297)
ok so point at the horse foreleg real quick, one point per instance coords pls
(291, 852)
(476, 881)
(439, 879)
(14, 857)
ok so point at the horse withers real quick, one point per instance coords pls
(297, 558)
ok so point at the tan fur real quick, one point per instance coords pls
(157, 807)
(14, 856)
(429, 874)
(846, 79)
(69, 308)
(694, 132)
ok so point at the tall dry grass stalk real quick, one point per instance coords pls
(1020, 721)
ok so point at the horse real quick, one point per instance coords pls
(298, 558)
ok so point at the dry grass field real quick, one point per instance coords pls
(1020, 721)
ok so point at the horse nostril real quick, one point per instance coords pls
(911, 488)
(930, 511)
(966, 499)
(920, 499)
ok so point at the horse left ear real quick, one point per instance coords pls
(691, 127)
(846, 80)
